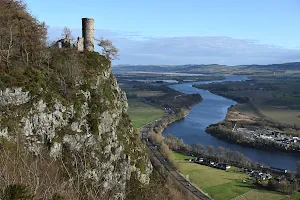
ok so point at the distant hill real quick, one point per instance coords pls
(283, 66)
(211, 68)
(164, 68)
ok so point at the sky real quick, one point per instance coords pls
(171, 32)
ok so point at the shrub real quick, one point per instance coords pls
(16, 192)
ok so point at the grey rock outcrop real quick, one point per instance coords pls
(94, 126)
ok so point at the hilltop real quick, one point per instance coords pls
(289, 68)
(64, 128)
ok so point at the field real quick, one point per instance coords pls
(271, 97)
(220, 184)
(158, 93)
(286, 116)
(277, 113)
(146, 93)
(142, 113)
(260, 194)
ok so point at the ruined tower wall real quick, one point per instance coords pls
(88, 33)
(80, 43)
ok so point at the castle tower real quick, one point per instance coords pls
(88, 34)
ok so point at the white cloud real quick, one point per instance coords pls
(136, 48)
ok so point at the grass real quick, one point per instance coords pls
(260, 194)
(286, 116)
(220, 184)
(228, 190)
(248, 109)
(141, 113)
(144, 93)
(202, 175)
(295, 196)
(276, 113)
(179, 156)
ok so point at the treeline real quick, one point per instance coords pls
(222, 132)
(283, 186)
(219, 154)
(155, 129)
(176, 102)
(170, 99)
(178, 114)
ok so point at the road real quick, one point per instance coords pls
(172, 170)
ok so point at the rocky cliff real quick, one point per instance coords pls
(84, 124)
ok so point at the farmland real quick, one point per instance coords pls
(146, 93)
(220, 184)
(142, 113)
(147, 100)
(271, 97)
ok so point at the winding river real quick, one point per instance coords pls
(211, 110)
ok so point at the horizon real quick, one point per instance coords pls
(204, 64)
(177, 33)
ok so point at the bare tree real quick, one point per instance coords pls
(108, 49)
(66, 33)
(22, 36)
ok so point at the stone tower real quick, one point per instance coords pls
(88, 34)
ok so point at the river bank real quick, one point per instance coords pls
(253, 132)
(239, 165)
(213, 109)
(159, 125)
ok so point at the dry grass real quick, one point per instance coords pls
(277, 113)
(247, 109)
(259, 194)
(238, 116)
(45, 177)
(282, 115)
(142, 93)
(41, 176)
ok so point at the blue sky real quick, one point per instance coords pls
(184, 32)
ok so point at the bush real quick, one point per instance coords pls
(16, 192)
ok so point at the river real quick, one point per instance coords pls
(211, 110)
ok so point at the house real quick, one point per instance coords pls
(269, 176)
(198, 160)
(223, 166)
(262, 177)
(227, 166)
(205, 162)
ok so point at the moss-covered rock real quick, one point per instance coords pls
(80, 119)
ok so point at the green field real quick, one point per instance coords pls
(141, 113)
(146, 93)
(295, 196)
(220, 184)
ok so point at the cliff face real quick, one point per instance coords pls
(86, 126)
